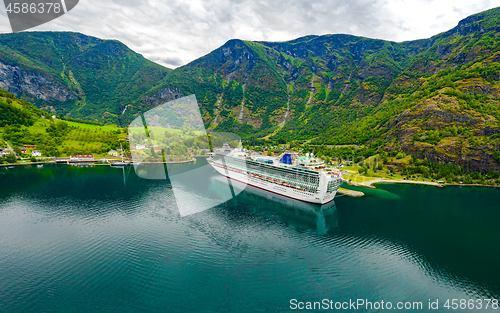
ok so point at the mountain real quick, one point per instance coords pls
(75, 75)
(437, 98)
(257, 83)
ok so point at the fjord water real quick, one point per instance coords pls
(103, 240)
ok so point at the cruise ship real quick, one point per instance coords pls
(299, 177)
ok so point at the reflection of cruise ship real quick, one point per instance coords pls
(321, 218)
(299, 177)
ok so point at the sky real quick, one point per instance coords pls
(176, 32)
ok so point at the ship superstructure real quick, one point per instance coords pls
(303, 178)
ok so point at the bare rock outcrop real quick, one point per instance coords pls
(21, 83)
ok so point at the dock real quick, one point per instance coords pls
(351, 193)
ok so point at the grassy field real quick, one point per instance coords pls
(358, 178)
(383, 173)
(63, 138)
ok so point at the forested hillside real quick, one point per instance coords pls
(75, 75)
(16, 111)
(22, 124)
(437, 98)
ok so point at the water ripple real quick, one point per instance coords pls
(130, 250)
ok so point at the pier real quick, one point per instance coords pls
(351, 193)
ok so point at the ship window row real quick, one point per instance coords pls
(306, 183)
(274, 173)
(295, 180)
(304, 193)
(332, 186)
(286, 169)
(303, 186)
(273, 167)
(293, 176)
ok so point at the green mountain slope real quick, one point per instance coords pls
(21, 123)
(74, 74)
(270, 79)
(16, 111)
(436, 98)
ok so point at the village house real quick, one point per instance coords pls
(113, 153)
(140, 147)
(3, 154)
(36, 153)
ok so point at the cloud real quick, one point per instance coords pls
(176, 32)
(174, 61)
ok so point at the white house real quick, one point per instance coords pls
(140, 147)
(113, 153)
(4, 153)
(36, 153)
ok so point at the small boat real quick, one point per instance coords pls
(119, 163)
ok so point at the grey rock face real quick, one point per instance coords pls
(162, 96)
(19, 83)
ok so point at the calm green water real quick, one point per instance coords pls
(84, 240)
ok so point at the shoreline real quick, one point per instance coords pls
(350, 193)
(371, 183)
(366, 184)
(472, 185)
(27, 163)
(95, 161)
(173, 162)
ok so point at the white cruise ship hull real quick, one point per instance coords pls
(275, 188)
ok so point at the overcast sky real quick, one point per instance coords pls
(175, 32)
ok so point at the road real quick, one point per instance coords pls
(10, 149)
